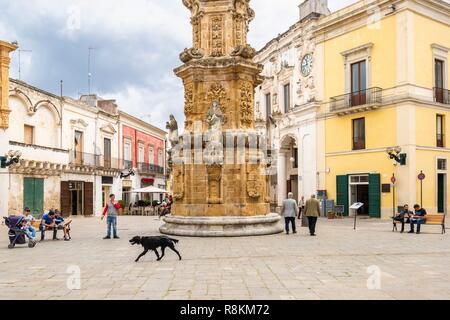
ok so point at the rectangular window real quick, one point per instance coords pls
(141, 153)
(440, 126)
(151, 155)
(78, 147)
(442, 164)
(295, 156)
(359, 84)
(439, 80)
(127, 150)
(28, 134)
(160, 158)
(287, 97)
(268, 106)
(359, 134)
(107, 152)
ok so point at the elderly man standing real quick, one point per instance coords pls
(312, 211)
(290, 211)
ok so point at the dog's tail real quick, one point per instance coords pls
(174, 240)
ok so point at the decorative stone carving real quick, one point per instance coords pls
(246, 52)
(246, 105)
(216, 93)
(189, 99)
(217, 36)
(214, 184)
(190, 54)
(255, 183)
(178, 183)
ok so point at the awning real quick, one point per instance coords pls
(150, 189)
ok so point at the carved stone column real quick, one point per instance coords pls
(219, 76)
(5, 50)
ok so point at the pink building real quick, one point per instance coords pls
(143, 149)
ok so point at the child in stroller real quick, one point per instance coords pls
(17, 234)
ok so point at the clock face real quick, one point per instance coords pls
(307, 65)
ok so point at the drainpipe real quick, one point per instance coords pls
(61, 124)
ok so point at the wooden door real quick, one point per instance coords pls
(33, 195)
(88, 199)
(358, 83)
(439, 80)
(65, 199)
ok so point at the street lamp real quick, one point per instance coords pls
(396, 155)
(12, 157)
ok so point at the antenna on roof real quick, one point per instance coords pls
(20, 53)
(90, 49)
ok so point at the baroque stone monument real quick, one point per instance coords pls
(219, 176)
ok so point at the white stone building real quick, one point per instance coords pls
(288, 102)
(70, 152)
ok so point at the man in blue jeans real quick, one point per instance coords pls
(111, 211)
(419, 218)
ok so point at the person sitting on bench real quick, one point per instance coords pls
(419, 218)
(63, 224)
(404, 217)
(48, 223)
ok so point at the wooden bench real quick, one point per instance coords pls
(37, 225)
(431, 220)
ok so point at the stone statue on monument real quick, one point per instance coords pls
(172, 126)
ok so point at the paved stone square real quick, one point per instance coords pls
(333, 265)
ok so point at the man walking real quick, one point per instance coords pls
(290, 211)
(312, 211)
(111, 210)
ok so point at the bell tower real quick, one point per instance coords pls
(220, 186)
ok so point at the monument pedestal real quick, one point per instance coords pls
(222, 226)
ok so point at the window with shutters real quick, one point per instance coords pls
(440, 124)
(28, 134)
(268, 106)
(359, 134)
(287, 97)
(358, 83)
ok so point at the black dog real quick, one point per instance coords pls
(152, 243)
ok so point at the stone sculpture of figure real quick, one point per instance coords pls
(172, 126)
(215, 117)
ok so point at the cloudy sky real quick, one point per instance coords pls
(136, 47)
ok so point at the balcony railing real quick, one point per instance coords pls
(150, 168)
(94, 160)
(368, 97)
(441, 95)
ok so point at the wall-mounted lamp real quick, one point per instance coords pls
(12, 157)
(396, 155)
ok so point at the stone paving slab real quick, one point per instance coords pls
(334, 265)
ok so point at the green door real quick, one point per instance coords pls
(342, 193)
(375, 196)
(33, 195)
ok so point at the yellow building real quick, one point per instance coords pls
(386, 92)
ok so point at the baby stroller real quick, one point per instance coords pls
(16, 234)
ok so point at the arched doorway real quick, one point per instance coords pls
(288, 168)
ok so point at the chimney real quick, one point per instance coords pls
(313, 9)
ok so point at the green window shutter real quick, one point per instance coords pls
(33, 195)
(342, 192)
(375, 196)
(39, 195)
(28, 194)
